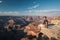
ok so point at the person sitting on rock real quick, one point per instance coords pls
(44, 23)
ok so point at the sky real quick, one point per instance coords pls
(30, 7)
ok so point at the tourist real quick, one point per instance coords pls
(45, 21)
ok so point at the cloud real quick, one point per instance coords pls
(51, 12)
(1, 1)
(9, 13)
(34, 6)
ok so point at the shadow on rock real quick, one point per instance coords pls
(42, 37)
(52, 38)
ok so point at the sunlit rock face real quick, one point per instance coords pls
(55, 20)
(32, 29)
